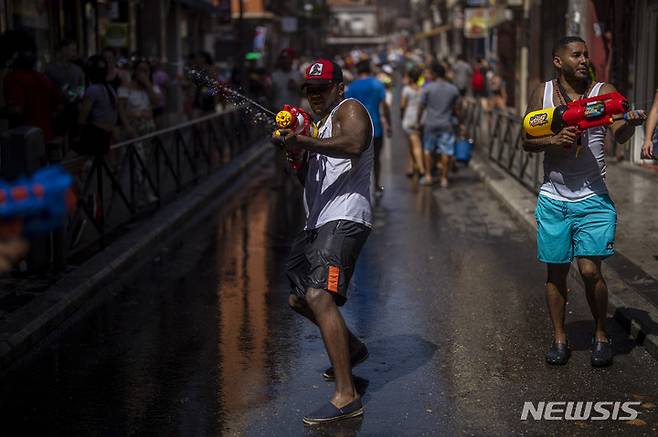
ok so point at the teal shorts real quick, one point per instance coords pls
(575, 229)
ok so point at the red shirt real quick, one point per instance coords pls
(34, 96)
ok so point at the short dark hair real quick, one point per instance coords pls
(414, 74)
(438, 69)
(96, 69)
(363, 67)
(564, 42)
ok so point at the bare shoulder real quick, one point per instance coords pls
(607, 88)
(351, 106)
(352, 109)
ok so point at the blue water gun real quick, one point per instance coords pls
(36, 205)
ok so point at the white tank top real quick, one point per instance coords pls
(338, 188)
(570, 178)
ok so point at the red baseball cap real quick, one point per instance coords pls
(322, 72)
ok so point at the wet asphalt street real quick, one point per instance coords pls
(448, 296)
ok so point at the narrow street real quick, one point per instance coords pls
(448, 296)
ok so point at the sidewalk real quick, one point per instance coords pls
(632, 273)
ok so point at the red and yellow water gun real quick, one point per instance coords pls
(300, 123)
(583, 114)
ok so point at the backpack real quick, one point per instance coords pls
(477, 81)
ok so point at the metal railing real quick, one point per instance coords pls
(501, 134)
(138, 176)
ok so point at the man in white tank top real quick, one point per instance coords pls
(575, 216)
(336, 177)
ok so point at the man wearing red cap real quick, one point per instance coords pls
(336, 177)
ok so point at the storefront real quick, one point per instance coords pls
(93, 24)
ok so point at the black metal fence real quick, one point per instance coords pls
(500, 133)
(139, 176)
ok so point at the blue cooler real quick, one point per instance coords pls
(463, 149)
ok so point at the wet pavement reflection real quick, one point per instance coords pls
(447, 294)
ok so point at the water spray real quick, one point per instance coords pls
(215, 87)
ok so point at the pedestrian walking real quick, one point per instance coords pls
(575, 215)
(371, 92)
(440, 105)
(409, 108)
(479, 82)
(336, 177)
(462, 73)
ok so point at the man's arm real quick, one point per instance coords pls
(351, 130)
(457, 107)
(652, 121)
(85, 109)
(421, 108)
(384, 108)
(387, 117)
(623, 130)
(403, 104)
(566, 137)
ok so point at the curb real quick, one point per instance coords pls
(627, 305)
(24, 329)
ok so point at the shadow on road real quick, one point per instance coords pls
(580, 336)
(395, 357)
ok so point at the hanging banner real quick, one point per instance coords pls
(477, 22)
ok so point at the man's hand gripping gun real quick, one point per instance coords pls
(298, 122)
(583, 114)
(36, 205)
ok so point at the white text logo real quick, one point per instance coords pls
(580, 410)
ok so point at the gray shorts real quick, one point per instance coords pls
(324, 258)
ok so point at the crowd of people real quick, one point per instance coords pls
(87, 104)
(369, 78)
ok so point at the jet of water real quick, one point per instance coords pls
(215, 87)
